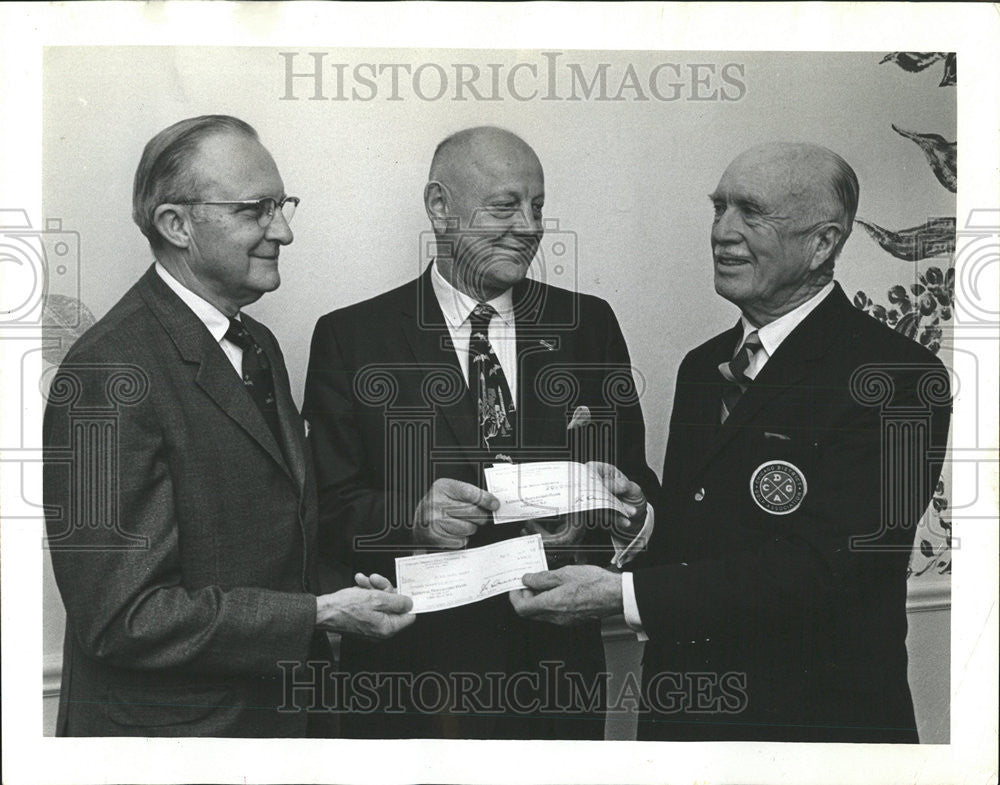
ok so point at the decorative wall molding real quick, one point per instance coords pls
(928, 595)
(51, 675)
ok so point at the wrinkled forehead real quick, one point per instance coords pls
(792, 180)
(497, 165)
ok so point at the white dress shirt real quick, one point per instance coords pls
(213, 319)
(771, 336)
(457, 309)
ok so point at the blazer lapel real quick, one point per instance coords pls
(701, 419)
(794, 359)
(215, 375)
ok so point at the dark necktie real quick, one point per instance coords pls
(734, 372)
(488, 384)
(256, 375)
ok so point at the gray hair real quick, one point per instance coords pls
(164, 173)
(844, 183)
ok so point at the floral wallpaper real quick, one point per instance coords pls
(923, 309)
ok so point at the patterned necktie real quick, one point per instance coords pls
(734, 372)
(488, 383)
(256, 375)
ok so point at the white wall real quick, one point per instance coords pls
(628, 179)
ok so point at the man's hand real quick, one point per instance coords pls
(368, 611)
(451, 512)
(561, 532)
(374, 581)
(569, 595)
(629, 493)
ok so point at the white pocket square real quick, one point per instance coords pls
(580, 418)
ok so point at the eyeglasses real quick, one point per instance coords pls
(263, 208)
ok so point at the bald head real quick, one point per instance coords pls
(484, 148)
(782, 214)
(818, 182)
(484, 197)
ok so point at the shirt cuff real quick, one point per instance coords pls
(632, 608)
(626, 551)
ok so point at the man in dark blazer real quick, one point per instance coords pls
(180, 495)
(805, 444)
(402, 423)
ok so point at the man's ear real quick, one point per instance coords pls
(172, 224)
(436, 204)
(825, 240)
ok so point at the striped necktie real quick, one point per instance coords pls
(734, 372)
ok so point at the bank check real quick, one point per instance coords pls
(436, 581)
(545, 488)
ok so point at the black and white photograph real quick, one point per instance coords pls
(482, 393)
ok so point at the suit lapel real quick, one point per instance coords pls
(424, 332)
(537, 347)
(795, 358)
(703, 396)
(215, 375)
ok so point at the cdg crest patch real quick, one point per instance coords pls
(778, 487)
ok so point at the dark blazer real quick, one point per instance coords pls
(389, 412)
(798, 618)
(181, 533)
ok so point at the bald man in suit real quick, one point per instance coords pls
(496, 367)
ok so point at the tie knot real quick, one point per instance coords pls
(735, 369)
(751, 343)
(238, 334)
(482, 314)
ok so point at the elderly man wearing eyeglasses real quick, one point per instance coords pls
(180, 496)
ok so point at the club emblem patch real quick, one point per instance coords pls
(778, 487)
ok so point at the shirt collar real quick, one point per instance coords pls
(773, 333)
(214, 319)
(457, 306)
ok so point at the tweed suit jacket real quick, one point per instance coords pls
(181, 532)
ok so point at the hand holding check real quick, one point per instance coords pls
(450, 512)
(577, 593)
(372, 609)
(569, 595)
(628, 493)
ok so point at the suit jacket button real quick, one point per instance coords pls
(699, 494)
